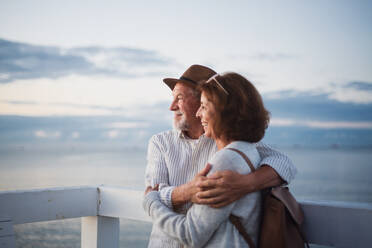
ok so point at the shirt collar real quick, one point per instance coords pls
(182, 135)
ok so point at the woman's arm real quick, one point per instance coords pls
(193, 229)
(201, 221)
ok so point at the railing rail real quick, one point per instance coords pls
(334, 224)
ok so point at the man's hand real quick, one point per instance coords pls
(224, 187)
(186, 192)
(220, 189)
(194, 185)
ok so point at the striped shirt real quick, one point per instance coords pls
(174, 159)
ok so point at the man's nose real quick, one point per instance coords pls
(173, 106)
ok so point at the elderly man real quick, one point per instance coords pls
(177, 159)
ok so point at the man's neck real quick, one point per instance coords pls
(194, 133)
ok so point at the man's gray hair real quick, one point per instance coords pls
(196, 93)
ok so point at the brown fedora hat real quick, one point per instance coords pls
(192, 76)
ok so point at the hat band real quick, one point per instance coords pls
(189, 80)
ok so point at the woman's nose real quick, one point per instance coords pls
(198, 113)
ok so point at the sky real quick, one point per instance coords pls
(91, 71)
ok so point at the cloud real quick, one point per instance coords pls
(136, 130)
(80, 95)
(262, 56)
(349, 93)
(359, 86)
(129, 56)
(40, 134)
(294, 105)
(355, 92)
(112, 134)
(125, 125)
(273, 57)
(283, 122)
(33, 108)
(25, 61)
(92, 130)
(20, 102)
(43, 134)
(75, 135)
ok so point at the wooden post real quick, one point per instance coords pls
(100, 232)
(7, 238)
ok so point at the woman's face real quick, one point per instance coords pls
(206, 113)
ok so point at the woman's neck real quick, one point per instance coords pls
(221, 143)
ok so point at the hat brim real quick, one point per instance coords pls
(171, 82)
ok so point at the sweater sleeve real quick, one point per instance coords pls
(157, 171)
(278, 161)
(193, 229)
(201, 221)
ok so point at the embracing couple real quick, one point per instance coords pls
(195, 180)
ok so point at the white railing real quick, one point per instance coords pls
(326, 223)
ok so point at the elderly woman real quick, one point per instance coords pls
(233, 114)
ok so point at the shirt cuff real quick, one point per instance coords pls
(166, 196)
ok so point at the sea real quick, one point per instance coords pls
(324, 174)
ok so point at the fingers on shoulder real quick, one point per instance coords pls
(209, 182)
(215, 202)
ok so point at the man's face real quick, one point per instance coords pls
(185, 104)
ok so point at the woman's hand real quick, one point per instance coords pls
(149, 189)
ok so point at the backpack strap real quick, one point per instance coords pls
(234, 219)
(236, 222)
(245, 158)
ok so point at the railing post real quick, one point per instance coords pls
(99, 232)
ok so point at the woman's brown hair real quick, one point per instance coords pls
(240, 112)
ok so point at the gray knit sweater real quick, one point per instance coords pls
(204, 226)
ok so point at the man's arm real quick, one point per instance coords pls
(281, 163)
(157, 174)
(157, 171)
(224, 187)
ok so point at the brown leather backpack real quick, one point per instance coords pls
(282, 218)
